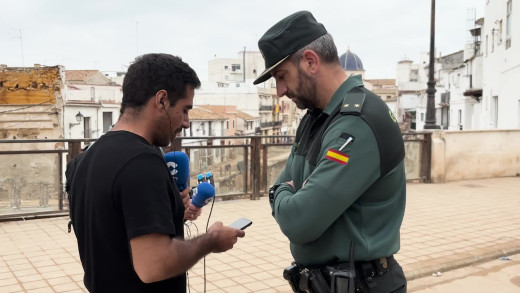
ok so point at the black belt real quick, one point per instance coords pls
(379, 266)
(365, 270)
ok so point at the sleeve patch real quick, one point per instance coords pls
(337, 156)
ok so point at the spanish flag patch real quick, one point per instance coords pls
(337, 156)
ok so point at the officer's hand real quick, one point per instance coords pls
(291, 183)
(222, 237)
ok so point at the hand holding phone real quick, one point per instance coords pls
(241, 224)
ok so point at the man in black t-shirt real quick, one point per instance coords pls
(126, 210)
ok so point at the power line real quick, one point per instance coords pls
(28, 120)
(13, 110)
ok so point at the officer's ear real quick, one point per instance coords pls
(310, 62)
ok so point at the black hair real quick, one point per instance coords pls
(151, 73)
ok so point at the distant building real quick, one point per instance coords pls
(31, 102)
(248, 65)
(204, 123)
(231, 84)
(476, 88)
(352, 64)
(238, 122)
(93, 97)
(385, 88)
(500, 104)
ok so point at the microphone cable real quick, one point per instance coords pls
(189, 235)
(207, 224)
(166, 112)
(210, 211)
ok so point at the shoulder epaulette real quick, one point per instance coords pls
(353, 103)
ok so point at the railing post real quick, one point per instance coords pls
(263, 182)
(176, 144)
(74, 149)
(256, 145)
(246, 169)
(60, 184)
(426, 158)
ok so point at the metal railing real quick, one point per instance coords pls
(32, 179)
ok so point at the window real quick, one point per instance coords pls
(233, 123)
(500, 32)
(487, 41)
(107, 121)
(509, 23)
(235, 67)
(493, 40)
(226, 67)
(227, 124)
(86, 127)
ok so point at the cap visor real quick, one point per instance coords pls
(267, 73)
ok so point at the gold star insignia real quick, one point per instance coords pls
(346, 105)
(357, 106)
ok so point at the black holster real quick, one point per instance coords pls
(341, 280)
(320, 280)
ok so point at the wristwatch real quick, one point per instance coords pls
(272, 191)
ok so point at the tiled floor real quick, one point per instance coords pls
(445, 226)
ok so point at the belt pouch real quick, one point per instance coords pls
(317, 282)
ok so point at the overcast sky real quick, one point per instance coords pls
(108, 34)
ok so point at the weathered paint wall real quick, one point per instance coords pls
(29, 85)
(31, 107)
(31, 102)
(28, 181)
(473, 154)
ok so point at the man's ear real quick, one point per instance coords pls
(311, 61)
(160, 98)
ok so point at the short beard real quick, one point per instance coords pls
(306, 92)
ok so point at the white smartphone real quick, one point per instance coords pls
(241, 224)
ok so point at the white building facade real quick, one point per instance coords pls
(98, 106)
(501, 65)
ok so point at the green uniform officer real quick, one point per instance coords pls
(344, 181)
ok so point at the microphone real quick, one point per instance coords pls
(201, 178)
(203, 194)
(209, 178)
(179, 166)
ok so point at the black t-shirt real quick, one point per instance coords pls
(122, 189)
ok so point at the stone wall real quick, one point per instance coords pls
(475, 154)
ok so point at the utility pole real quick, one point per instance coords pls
(21, 47)
(430, 105)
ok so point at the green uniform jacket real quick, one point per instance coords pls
(345, 197)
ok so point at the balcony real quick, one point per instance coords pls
(266, 108)
(266, 124)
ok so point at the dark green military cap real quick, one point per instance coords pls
(286, 37)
